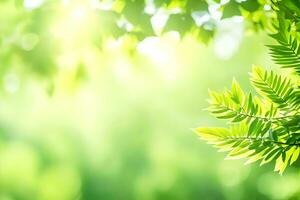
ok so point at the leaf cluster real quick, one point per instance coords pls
(263, 127)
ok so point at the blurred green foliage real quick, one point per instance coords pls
(31, 38)
(93, 108)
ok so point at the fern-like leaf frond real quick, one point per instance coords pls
(278, 89)
(236, 141)
(262, 128)
(287, 52)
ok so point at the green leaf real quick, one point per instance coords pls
(250, 5)
(295, 155)
(237, 92)
(181, 23)
(196, 5)
(231, 9)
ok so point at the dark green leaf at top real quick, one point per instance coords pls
(196, 5)
(231, 9)
(250, 5)
(179, 22)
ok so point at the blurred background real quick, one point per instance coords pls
(87, 118)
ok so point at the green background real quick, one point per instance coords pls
(80, 121)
